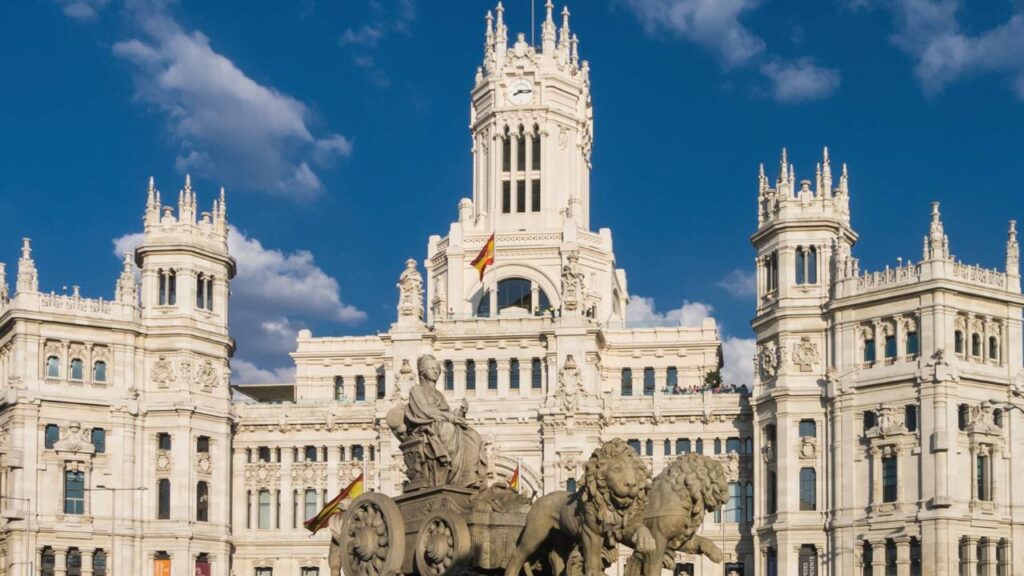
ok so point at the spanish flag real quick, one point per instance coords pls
(317, 522)
(485, 258)
(513, 482)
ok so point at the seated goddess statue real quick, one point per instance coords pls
(451, 451)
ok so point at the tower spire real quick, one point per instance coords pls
(826, 174)
(936, 242)
(125, 291)
(1012, 250)
(547, 30)
(28, 276)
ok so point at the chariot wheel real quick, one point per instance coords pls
(372, 541)
(443, 543)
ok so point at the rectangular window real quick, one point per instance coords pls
(309, 454)
(506, 154)
(99, 440)
(536, 375)
(910, 417)
(203, 444)
(521, 152)
(889, 479)
(492, 374)
(890, 347)
(635, 445)
(983, 478)
(163, 506)
(263, 454)
(649, 448)
(264, 571)
(360, 389)
(869, 420)
(520, 195)
(808, 429)
(912, 344)
(202, 502)
(648, 381)
(506, 197)
(682, 445)
(627, 382)
(808, 489)
(74, 492)
(357, 452)
(668, 447)
(734, 509)
(748, 507)
(51, 436)
(163, 441)
(263, 513)
(381, 390)
(672, 378)
(536, 152)
(339, 388)
(535, 193)
(732, 445)
(470, 375)
(310, 503)
(310, 572)
(513, 374)
(869, 351)
(771, 492)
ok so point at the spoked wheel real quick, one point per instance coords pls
(372, 537)
(443, 544)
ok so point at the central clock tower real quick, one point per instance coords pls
(532, 129)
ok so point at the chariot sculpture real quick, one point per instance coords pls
(447, 521)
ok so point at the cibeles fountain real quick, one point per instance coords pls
(449, 521)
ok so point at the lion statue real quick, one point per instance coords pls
(593, 521)
(686, 489)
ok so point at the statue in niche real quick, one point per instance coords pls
(570, 388)
(573, 284)
(439, 446)
(410, 293)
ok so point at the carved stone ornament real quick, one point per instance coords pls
(768, 360)
(204, 464)
(163, 461)
(75, 438)
(439, 305)
(570, 386)
(808, 448)
(982, 419)
(5, 439)
(163, 372)
(207, 376)
(805, 354)
(410, 294)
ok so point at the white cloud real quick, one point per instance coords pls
(245, 372)
(738, 361)
(800, 80)
(273, 296)
(367, 36)
(930, 31)
(82, 9)
(690, 314)
(716, 26)
(388, 17)
(227, 125)
(739, 283)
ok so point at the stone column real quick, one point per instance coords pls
(1004, 558)
(903, 556)
(60, 560)
(968, 548)
(988, 561)
(460, 378)
(878, 558)
(86, 562)
(876, 475)
(503, 378)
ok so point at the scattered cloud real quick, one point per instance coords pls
(690, 314)
(82, 9)
(226, 124)
(930, 31)
(716, 26)
(396, 16)
(738, 361)
(799, 80)
(739, 283)
(274, 295)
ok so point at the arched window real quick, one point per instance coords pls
(812, 265)
(163, 286)
(748, 506)
(718, 445)
(536, 375)
(958, 342)
(682, 445)
(77, 369)
(360, 389)
(168, 287)
(801, 265)
(890, 347)
(200, 291)
(648, 381)
(99, 371)
(48, 561)
(808, 556)
(339, 388)
(506, 153)
(202, 502)
(449, 375)
(264, 510)
(310, 503)
(309, 454)
(867, 559)
(869, 350)
(976, 344)
(890, 557)
(51, 436)
(993, 348)
(470, 374)
(627, 382)
(700, 446)
(492, 374)
(53, 367)
(748, 446)
(513, 374)
(808, 489)
(521, 149)
(518, 294)
(570, 485)
(98, 436)
(734, 509)
(99, 562)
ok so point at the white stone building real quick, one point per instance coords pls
(880, 449)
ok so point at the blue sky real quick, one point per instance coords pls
(340, 132)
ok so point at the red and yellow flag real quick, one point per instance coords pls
(317, 522)
(513, 482)
(485, 258)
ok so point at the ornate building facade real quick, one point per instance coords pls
(876, 439)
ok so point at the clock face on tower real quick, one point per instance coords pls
(520, 91)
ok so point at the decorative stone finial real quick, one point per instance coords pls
(28, 276)
(410, 294)
(1012, 250)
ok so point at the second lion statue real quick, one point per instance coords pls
(604, 512)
